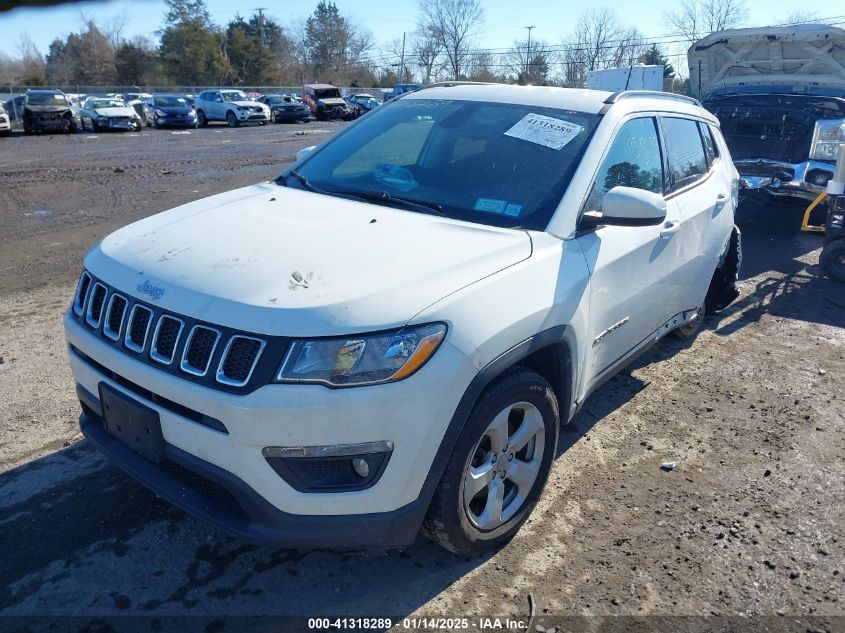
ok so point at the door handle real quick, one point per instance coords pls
(721, 197)
(669, 228)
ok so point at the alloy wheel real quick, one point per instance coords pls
(504, 466)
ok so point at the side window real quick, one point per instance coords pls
(710, 146)
(684, 150)
(634, 160)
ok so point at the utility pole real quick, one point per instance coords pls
(260, 11)
(402, 61)
(528, 53)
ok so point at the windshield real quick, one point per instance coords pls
(492, 163)
(106, 103)
(46, 99)
(235, 96)
(171, 102)
(275, 100)
(327, 93)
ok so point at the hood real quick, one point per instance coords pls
(118, 111)
(332, 101)
(275, 260)
(186, 109)
(48, 108)
(247, 104)
(802, 58)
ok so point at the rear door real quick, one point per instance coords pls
(631, 289)
(699, 192)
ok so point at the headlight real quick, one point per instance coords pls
(361, 360)
(102, 119)
(827, 136)
(243, 109)
(161, 113)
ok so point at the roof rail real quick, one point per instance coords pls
(449, 84)
(651, 94)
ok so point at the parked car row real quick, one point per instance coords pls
(55, 111)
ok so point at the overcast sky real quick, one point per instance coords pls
(387, 19)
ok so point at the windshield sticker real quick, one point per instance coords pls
(545, 131)
(489, 205)
(513, 210)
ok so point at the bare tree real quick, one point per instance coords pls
(800, 16)
(597, 35)
(452, 23)
(426, 54)
(696, 19)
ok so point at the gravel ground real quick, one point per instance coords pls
(749, 524)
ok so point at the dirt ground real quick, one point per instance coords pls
(746, 533)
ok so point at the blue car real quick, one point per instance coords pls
(170, 111)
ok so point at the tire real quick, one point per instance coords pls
(273, 117)
(723, 288)
(688, 331)
(231, 119)
(201, 120)
(465, 524)
(833, 259)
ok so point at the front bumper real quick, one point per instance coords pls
(782, 179)
(252, 116)
(412, 414)
(5, 124)
(293, 115)
(176, 121)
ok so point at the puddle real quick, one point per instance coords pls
(40, 213)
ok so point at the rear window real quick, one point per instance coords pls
(685, 151)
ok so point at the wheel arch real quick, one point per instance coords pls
(551, 353)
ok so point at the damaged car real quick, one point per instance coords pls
(779, 95)
(324, 101)
(108, 113)
(48, 111)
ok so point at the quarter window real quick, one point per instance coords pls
(634, 160)
(685, 151)
(709, 143)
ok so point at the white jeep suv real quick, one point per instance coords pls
(389, 336)
(232, 106)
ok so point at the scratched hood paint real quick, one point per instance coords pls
(275, 260)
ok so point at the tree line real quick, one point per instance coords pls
(191, 49)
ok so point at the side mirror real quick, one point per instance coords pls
(628, 206)
(304, 152)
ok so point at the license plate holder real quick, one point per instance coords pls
(132, 423)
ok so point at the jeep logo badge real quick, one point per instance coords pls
(154, 292)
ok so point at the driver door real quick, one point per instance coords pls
(632, 267)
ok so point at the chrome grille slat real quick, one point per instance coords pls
(166, 339)
(81, 293)
(237, 372)
(134, 327)
(94, 312)
(197, 348)
(117, 303)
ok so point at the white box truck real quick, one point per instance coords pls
(639, 77)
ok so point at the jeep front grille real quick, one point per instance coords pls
(166, 338)
(216, 356)
(114, 317)
(95, 305)
(199, 349)
(139, 327)
(239, 359)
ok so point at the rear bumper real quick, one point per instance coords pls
(229, 504)
(782, 179)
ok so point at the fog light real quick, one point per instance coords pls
(361, 467)
(821, 179)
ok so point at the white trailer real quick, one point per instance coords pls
(638, 77)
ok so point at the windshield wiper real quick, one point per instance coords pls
(423, 206)
(369, 196)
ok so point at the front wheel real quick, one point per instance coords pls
(202, 121)
(499, 466)
(231, 119)
(833, 259)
